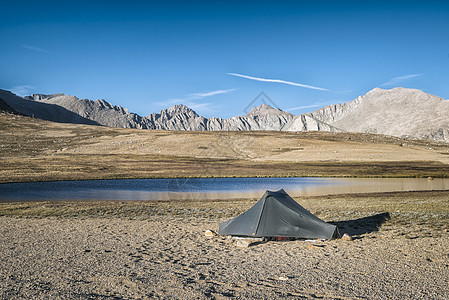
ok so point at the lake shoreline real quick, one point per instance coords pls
(194, 169)
(231, 176)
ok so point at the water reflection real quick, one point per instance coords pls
(375, 185)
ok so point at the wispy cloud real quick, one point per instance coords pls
(193, 96)
(204, 107)
(208, 94)
(400, 79)
(343, 91)
(35, 49)
(314, 105)
(304, 107)
(278, 81)
(22, 90)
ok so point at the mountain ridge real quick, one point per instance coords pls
(399, 112)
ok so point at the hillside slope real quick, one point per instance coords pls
(400, 112)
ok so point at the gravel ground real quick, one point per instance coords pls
(170, 257)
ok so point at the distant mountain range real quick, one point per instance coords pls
(399, 112)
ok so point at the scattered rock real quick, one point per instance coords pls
(346, 237)
(282, 278)
(210, 233)
(312, 246)
(242, 243)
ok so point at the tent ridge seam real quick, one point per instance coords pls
(260, 216)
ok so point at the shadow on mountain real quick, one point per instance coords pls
(56, 113)
(363, 225)
(6, 108)
(44, 111)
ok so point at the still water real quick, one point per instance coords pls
(207, 188)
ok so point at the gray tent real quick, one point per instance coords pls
(276, 214)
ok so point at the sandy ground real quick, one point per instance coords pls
(167, 255)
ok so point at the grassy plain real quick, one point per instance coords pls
(36, 150)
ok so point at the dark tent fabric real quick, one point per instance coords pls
(276, 214)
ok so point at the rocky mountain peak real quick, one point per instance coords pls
(397, 90)
(401, 112)
(179, 109)
(40, 97)
(266, 109)
(376, 90)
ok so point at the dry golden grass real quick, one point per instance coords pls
(36, 150)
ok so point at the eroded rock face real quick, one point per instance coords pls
(308, 123)
(397, 112)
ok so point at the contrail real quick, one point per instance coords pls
(36, 49)
(278, 81)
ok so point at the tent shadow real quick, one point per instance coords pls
(362, 225)
(257, 243)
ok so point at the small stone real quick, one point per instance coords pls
(242, 243)
(314, 246)
(429, 178)
(210, 233)
(282, 278)
(346, 237)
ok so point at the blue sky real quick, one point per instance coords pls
(217, 56)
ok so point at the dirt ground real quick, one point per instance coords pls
(138, 250)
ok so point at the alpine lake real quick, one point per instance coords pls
(208, 188)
